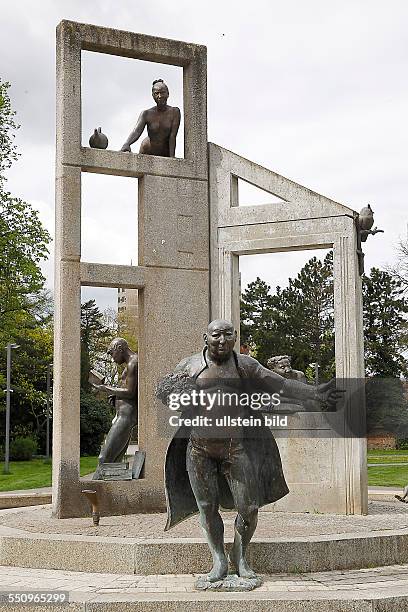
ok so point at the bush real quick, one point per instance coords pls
(22, 448)
(96, 420)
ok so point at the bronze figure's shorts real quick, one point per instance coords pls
(214, 454)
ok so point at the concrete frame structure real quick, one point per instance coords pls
(173, 278)
(173, 251)
(326, 472)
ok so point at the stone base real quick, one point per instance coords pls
(231, 583)
(137, 544)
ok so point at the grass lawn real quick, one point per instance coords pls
(389, 475)
(387, 456)
(36, 473)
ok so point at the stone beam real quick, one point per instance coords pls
(110, 275)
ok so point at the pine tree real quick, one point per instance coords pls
(298, 320)
(385, 325)
(257, 320)
(95, 338)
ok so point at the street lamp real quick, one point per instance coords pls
(316, 370)
(10, 346)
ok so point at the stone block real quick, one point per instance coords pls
(173, 223)
(173, 240)
(390, 604)
(16, 500)
(67, 213)
(73, 553)
(303, 220)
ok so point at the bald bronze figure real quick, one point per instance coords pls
(236, 469)
(124, 399)
(162, 122)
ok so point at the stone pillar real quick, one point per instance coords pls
(173, 273)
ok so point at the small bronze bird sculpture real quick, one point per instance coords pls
(366, 222)
(366, 218)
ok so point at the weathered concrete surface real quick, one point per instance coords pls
(173, 224)
(135, 165)
(118, 555)
(105, 275)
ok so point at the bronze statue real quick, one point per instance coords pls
(124, 399)
(162, 122)
(282, 365)
(240, 469)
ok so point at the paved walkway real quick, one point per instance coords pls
(390, 581)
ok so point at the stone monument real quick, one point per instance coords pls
(187, 275)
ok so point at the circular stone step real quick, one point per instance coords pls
(136, 544)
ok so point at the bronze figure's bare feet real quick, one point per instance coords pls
(241, 565)
(219, 570)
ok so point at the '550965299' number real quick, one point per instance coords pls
(28, 597)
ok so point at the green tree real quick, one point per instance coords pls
(400, 270)
(29, 371)
(297, 320)
(25, 308)
(385, 325)
(23, 239)
(8, 151)
(257, 320)
(95, 421)
(305, 316)
(95, 338)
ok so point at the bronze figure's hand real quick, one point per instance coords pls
(328, 395)
(126, 148)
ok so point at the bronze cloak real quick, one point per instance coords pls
(264, 456)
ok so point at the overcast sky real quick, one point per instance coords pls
(316, 91)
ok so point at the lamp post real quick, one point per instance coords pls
(316, 369)
(47, 440)
(10, 346)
